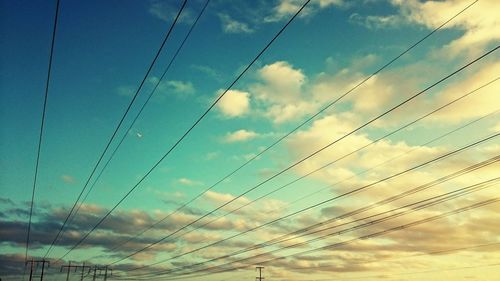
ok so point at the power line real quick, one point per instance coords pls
(385, 201)
(416, 206)
(319, 150)
(340, 158)
(431, 253)
(324, 166)
(446, 178)
(118, 126)
(304, 231)
(364, 237)
(427, 203)
(189, 130)
(42, 125)
(443, 156)
(401, 227)
(260, 153)
(399, 155)
(141, 109)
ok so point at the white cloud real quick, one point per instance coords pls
(188, 182)
(375, 22)
(230, 25)
(234, 103)
(286, 8)
(330, 128)
(283, 82)
(220, 198)
(482, 102)
(280, 91)
(240, 135)
(480, 22)
(496, 127)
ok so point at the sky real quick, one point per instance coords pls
(341, 152)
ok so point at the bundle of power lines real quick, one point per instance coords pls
(334, 226)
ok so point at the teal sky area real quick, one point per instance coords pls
(101, 54)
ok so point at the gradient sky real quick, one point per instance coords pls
(102, 51)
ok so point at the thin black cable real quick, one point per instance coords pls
(399, 155)
(427, 203)
(436, 252)
(320, 150)
(189, 130)
(340, 158)
(42, 125)
(118, 126)
(360, 210)
(304, 231)
(365, 237)
(393, 229)
(441, 157)
(449, 103)
(391, 199)
(482, 164)
(418, 189)
(408, 225)
(140, 111)
(260, 153)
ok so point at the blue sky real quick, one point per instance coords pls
(102, 51)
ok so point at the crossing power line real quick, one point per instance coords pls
(309, 230)
(357, 190)
(412, 97)
(338, 159)
(329, 105)
(117, 128)
(151, 93)
(188, 131)
(221, 269)
(353, 191)
(42, 125)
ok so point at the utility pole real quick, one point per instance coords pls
(35, 263)
(83, 269)
(106, 272)
(76, 267)
(95, 273)
(101, 268)
(259, 268)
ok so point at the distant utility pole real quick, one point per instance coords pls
(106, 271)
(76, 267)
(95, 273)
(259, 268)
(35, 263)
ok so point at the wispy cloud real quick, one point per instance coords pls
(285, 8)
(240, 136)
(188, 182)
(167, 10)
(180, 87)
(230, 25)
(374, 22)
